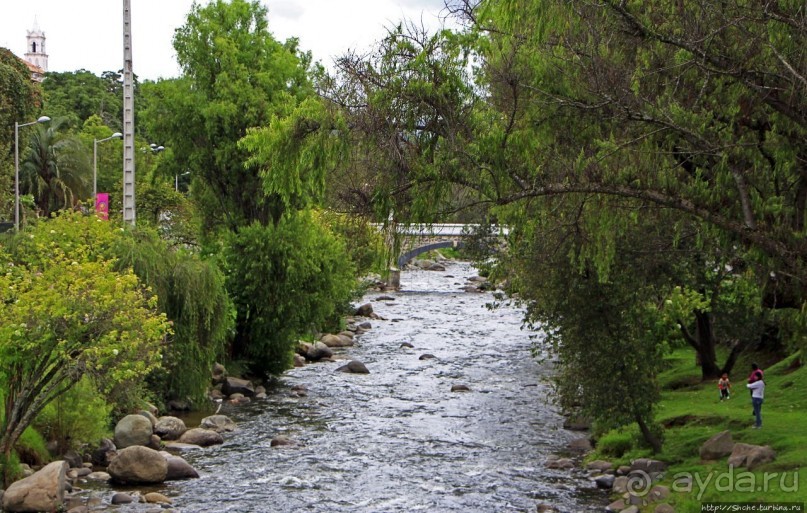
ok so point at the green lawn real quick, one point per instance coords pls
(692, 412)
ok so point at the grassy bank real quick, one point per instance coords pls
(692, 412)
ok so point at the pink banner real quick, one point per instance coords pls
(102, 205)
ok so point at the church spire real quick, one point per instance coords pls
(36, 52)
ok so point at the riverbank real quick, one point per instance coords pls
(692, 412)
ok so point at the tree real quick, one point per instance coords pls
(189, 291)
(56, 170)
(287, 280)
(236, 76)
(78, 95)
(688, 115)
(20, 100)
(66, 316)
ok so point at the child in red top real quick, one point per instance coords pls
(724, 385)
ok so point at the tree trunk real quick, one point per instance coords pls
(706, 342)
(649, 437)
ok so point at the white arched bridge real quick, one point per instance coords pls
(415, 239)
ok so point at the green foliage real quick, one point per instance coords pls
(286, 281)
(67, 314)
(78, 416)
(364, 243)
(616, 443)
(20, 100)
(56, 169)
(32, 448)
(79, 95)
(188, 290)
(236, 76)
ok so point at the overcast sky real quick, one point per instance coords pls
(88, 33)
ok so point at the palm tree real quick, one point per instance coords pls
(57, 169)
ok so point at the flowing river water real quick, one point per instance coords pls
(398, 439)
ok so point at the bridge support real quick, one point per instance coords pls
(394, 279)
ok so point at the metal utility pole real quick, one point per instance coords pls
(128, 119)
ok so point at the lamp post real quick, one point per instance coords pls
(176, 180)
(17, 126)
(116, 135)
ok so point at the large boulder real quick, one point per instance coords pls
(751, 456)
(178, 468)
(133, 430)
(648, 465)
(718, 446)
(105, 452)
(42, 491)
(340, 340)
(354, 367)
(318, 351)
(218, 423)
(238, 386)
(138, 465)
(365, 310)
(201, 437)
(169, 428)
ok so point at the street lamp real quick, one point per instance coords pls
(116, 135)
(17, 126)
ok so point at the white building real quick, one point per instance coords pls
(36, 56)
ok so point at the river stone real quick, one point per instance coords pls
(331, 340)
(580, 445)
(427, 356)
(620, 484)
(73, 459)
(42, 491)
(138, 465)
(122, 498)
(318, 351)
(460, 388)
(599, 465)
(354, 367)
(238, 386)
(718, 446)
(133, 430)
(615, 506)
(605, 481)
(560, 464)
(364, 310)
(156, 498)
(407, 345)
(366, 325)
(664, 508)
(658, 493)
(178, 469)
(169, 428)
(98, 476)
(104, 453)
(299, 360)
(201, 437)
(218, 423)
(630, 509)
(281, 440)
(648, 465)
(149, 416)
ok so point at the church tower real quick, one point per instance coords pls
(36, 53)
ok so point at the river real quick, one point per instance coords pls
(398, 439)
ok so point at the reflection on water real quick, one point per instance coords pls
(398, 440)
